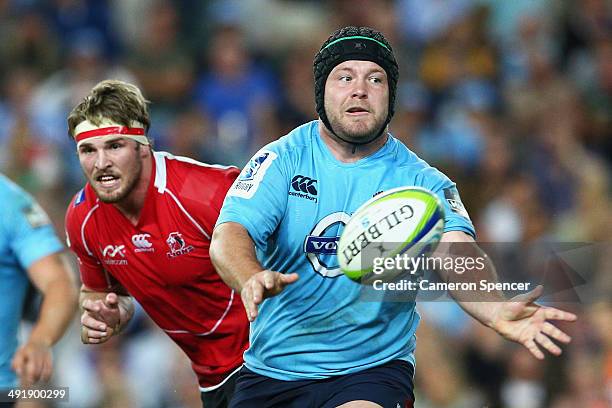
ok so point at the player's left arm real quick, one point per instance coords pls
(519, 319)
(51, 275)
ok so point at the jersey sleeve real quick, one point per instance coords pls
(31, 233)
(92, 273)
(202, 190)
(224, 184)
(258, 198)
(456, 216)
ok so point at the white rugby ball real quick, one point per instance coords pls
(403, 220)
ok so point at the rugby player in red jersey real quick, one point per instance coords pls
(141, 228)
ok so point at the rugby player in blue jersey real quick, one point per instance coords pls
(30, 252)
(313, 344)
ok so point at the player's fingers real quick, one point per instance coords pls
(245, 304)
(257, 291)
(92, 336)
(34, 373)
(85, 304)
(555, 314)
(18, 362)
(251, 311)
(84, 337)
(553, 332)
(45, 375)
(25, 381)
(253, 314)
(244, 295)
(533, 349)
(33, 368)
(290, 278)
(112, 300)
(93, 306)
(547, 343)
(92, 323)
(248, 301)
(95, 334)
(110, 316)
(269, 279)
(47, 369)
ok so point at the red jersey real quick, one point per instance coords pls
(164, 262)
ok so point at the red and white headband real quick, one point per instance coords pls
(86, 130)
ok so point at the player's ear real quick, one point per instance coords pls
(144, 150)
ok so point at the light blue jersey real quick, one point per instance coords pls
(26, 235)
(294, 198)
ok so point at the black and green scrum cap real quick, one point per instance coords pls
(354, 43)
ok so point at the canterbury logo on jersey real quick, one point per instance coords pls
(304, 184)
(304, 187)
(142, 243)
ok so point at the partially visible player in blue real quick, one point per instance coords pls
(313, 343)
(30, 252)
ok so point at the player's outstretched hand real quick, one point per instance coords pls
(263, 285)
(525, 322)
(100, 319)
(33, 363)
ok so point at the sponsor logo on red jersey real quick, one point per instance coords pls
(114, 254)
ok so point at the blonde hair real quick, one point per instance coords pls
(112, 99)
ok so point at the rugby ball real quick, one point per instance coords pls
(404, 221)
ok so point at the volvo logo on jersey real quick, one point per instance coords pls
(321, 244)
(304, 187)
(142, 243)
(177, 245)
(114, 254)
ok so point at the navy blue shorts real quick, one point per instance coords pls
(219, 397)
(388, 385)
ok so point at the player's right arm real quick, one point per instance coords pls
(106, 306)
(104, 314)
(253, 208)
(232, 251)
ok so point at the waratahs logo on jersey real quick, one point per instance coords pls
(251, 176)
(321, 244)
(253, 167)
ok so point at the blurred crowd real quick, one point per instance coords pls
(511, 99)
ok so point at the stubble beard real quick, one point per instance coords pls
(357, 131)
(133, 175)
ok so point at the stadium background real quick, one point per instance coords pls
(512, 99)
